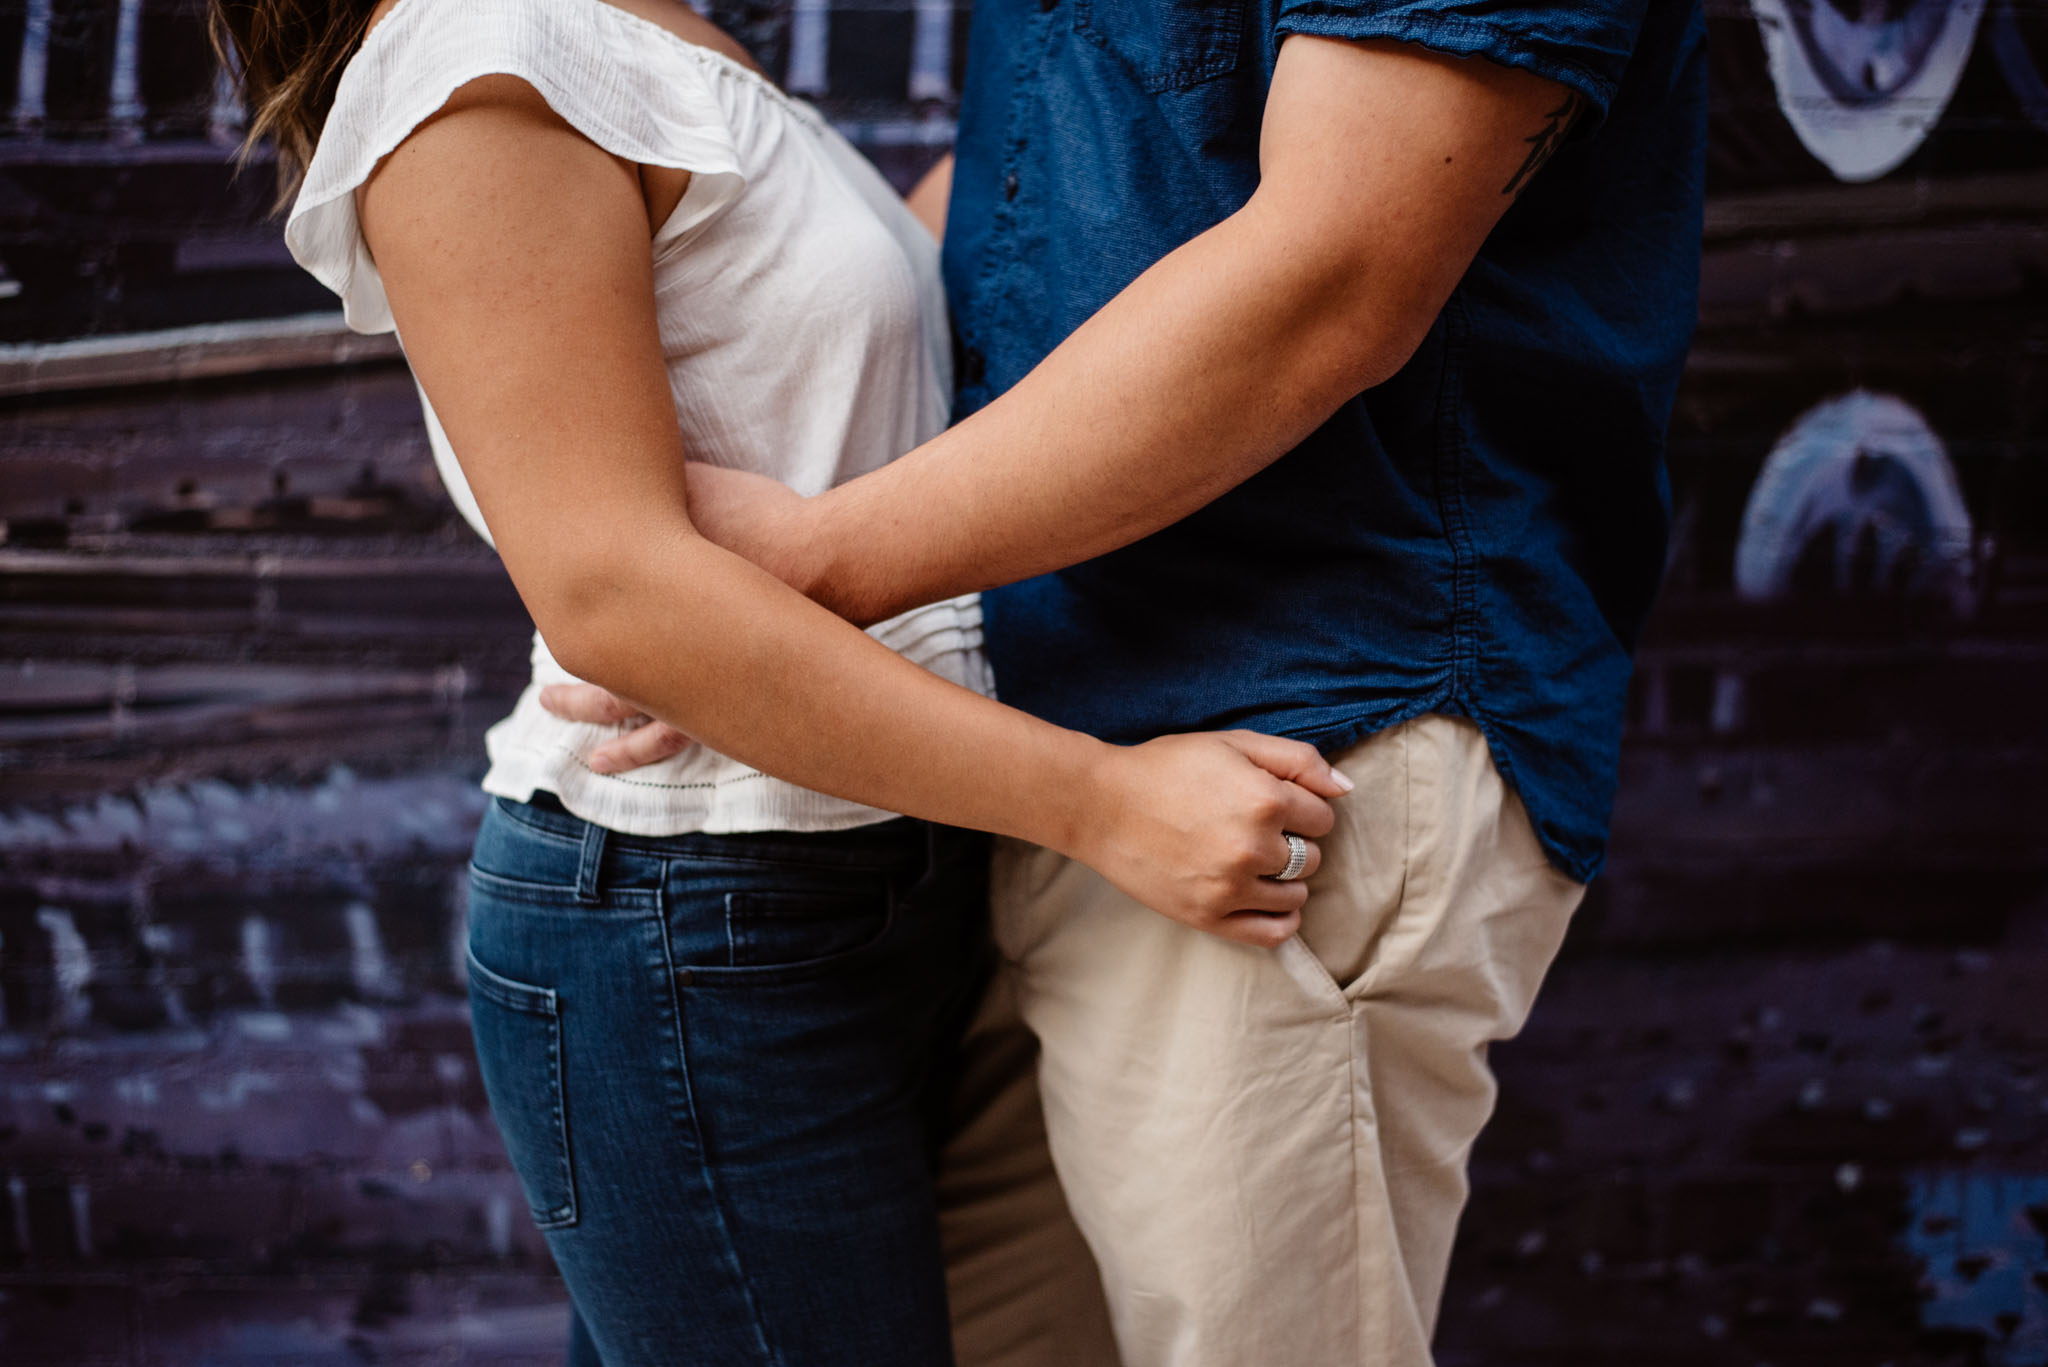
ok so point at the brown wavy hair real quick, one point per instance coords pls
(287, 56)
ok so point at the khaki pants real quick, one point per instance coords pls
(1265, 1150)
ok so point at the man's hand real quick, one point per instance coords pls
(649, 742)
(752, 516)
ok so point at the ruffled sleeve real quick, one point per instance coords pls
(630, 87)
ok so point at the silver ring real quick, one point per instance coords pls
(1297, 858)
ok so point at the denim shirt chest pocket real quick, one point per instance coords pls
(1167, 44)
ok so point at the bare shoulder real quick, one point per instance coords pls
(502, 120)
(498, 106)
(497, 116)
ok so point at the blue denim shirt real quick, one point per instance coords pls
(1483, 533)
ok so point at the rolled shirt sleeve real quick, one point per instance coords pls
(1582, 46)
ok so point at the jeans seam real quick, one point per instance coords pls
(694, 1133)
(564, 1216)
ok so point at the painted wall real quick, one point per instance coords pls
(1785, 1100)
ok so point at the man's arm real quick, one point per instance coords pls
(928, 198)
(1383, 168)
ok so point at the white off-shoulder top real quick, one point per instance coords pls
(800, 308)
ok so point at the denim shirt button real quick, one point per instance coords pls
(1010, 186)
(683, 976)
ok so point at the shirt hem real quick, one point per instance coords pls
(1581, 865)
(518, 772)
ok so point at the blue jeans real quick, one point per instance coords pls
(718, 1062)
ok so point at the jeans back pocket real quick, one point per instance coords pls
(1167, 44)
(518, 1029)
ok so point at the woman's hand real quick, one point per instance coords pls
(1192, 826)
(1195, 827)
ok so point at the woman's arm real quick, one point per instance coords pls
(515, 253)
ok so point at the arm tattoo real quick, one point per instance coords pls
(1545, 140)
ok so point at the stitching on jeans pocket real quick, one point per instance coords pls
(518, 1029)
(753, 907)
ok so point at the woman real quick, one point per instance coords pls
(711, 1006)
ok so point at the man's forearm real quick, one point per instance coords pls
(1383, 172)
(1214, 363)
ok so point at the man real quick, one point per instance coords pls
(1313, 363)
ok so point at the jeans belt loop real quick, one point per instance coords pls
(590, 864)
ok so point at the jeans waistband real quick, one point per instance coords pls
(882, 846)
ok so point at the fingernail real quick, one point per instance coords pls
(1342, 779)
(601, 764)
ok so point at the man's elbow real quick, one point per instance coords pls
(1356, 315)
(1384, 355)
(1363, 343)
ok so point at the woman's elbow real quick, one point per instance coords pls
(584, 608)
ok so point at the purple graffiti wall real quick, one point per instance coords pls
(1785, 1100)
